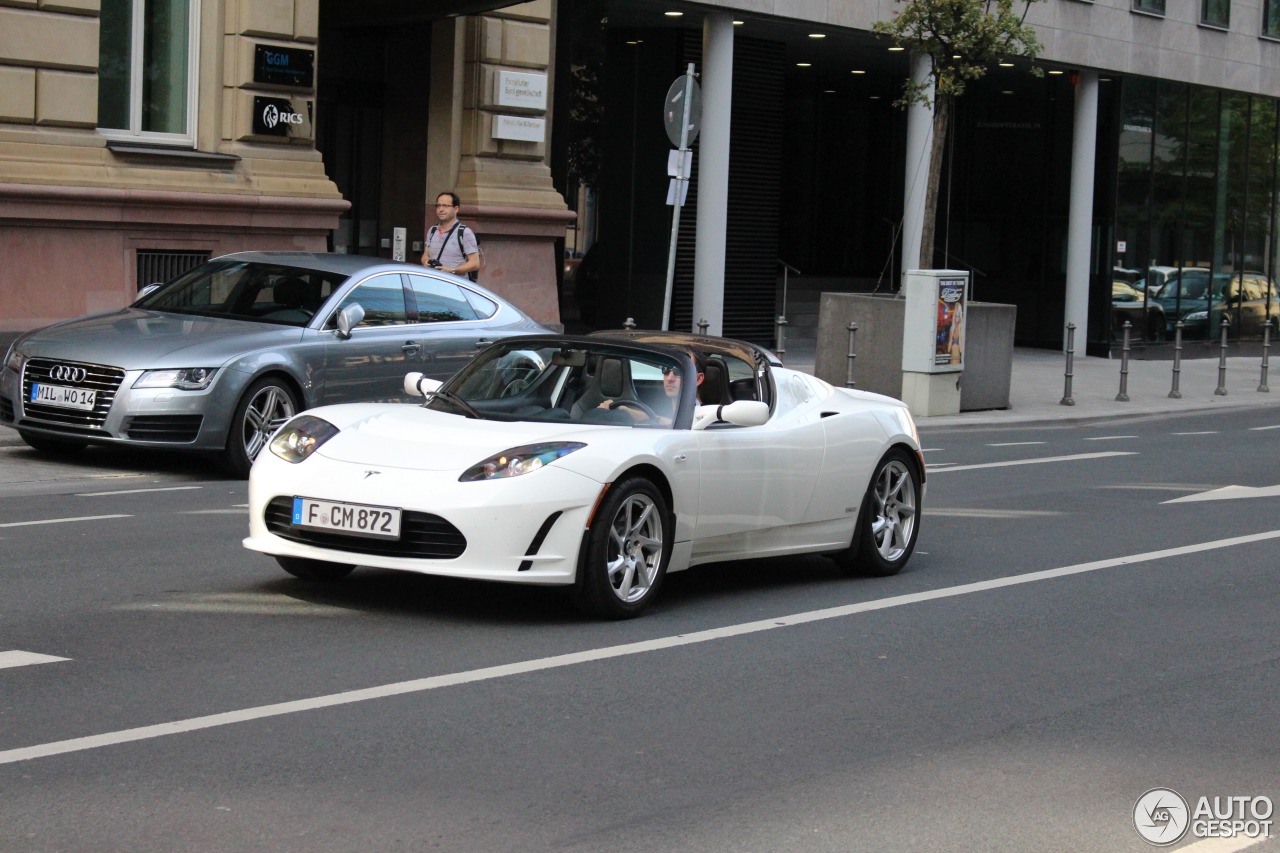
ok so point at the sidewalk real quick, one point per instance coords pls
(1038, 383)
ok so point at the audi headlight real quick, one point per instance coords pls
(301, 437)
(183, 378)
(519, 460)
(13, 359)
(1196, 315)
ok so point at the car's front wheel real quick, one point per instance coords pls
(626, 551)
(314, 570)
(888, 521)
(267, 404)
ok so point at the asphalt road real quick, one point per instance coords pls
(1064, 640)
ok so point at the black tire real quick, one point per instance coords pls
(45, 444)
(314, 570)
(267, 404)
(888, 520)
(626, 553)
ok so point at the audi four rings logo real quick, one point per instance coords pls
(271, 116)
(67, 373)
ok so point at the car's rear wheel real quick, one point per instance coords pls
(267, 404)
(314, 570)
(888, 521)
(626, 552)
(45, 444)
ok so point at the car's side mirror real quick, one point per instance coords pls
(738, 413)
(417, 385)
(146, 290)
(349, 318)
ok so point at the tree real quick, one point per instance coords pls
(962, 39)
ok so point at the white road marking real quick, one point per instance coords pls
(1227, 493)
(930, 449)
(436, 682)
(958, 512)
(1016, 443)
(1079, 457)
(231, 511)
(237, 604)
(63, 520)
(15, 658)
(1256, 429)
(1202, 432)
(136, 491)
(1110, 437)
(1158, 487)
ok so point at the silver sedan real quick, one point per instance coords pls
(218, 358)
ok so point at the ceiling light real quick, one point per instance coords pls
(896, 48)
(1007, 92)
(1006, 64)
(857, 71)
(674, 14)
(1056, 72)
(817, 35)
(738, 23)
(804, 64)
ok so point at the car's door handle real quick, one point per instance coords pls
(482, 343)
(411, 348)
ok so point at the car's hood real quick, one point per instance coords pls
(135, 339)
(410, 436)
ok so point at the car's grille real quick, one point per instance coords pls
(172, 428)
(104, 380)
(421, 535)
(6, 409)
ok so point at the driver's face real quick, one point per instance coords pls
(671, 381)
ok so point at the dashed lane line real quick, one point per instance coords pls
(136, 491)
(454, 679)
(1078, 457)
(17, 658)
(64, 520)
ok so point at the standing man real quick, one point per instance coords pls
(451, 246)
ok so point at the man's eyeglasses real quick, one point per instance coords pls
(667, 371)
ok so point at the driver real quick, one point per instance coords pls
(671, 383)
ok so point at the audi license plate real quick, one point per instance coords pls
(355, 519)
(62, 396)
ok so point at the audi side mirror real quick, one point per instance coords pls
(349, 318)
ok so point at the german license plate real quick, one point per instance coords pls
(63, 396)
(356, 519)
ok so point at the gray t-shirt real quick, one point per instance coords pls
(443, 245)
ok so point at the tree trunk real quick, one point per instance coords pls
(941, 121)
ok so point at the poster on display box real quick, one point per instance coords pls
(949, 344)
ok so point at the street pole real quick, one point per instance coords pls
(681, 180)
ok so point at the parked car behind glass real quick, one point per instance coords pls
(218, 358)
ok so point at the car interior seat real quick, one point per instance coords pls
(291, 294)
(714, 389)
(611, 381)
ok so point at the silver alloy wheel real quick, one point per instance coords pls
(894, 511)
(634, 548)
(267, 411)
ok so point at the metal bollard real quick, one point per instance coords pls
(781, 331)
(1177, 361)
(853, 330)
(1123, 396)
(1266, 346)
(1221, 390)
(1071, 352)
(630, 323)
(703, 325)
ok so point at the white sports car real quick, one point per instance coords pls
(594, 462)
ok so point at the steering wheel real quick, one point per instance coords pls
(635, 404)
(514, 387)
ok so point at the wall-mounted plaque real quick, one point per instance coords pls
(284, 66)
(288, 117)
(520, 128)
(520, 89)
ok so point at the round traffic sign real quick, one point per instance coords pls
(673, 109)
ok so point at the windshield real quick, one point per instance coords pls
(595, 384)
(263, 293)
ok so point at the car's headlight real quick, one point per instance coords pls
(183, 378)
(13, 359)
(519, 460)
(1196, 315)
(301, 437)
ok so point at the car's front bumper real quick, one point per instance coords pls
(526, 529)
(124, 415)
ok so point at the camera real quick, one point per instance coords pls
(432, 262)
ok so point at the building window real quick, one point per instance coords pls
(1215, 13)
(1271, 19)
(146, 70)
(1154, 7)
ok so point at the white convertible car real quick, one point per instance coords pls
(598, 463)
